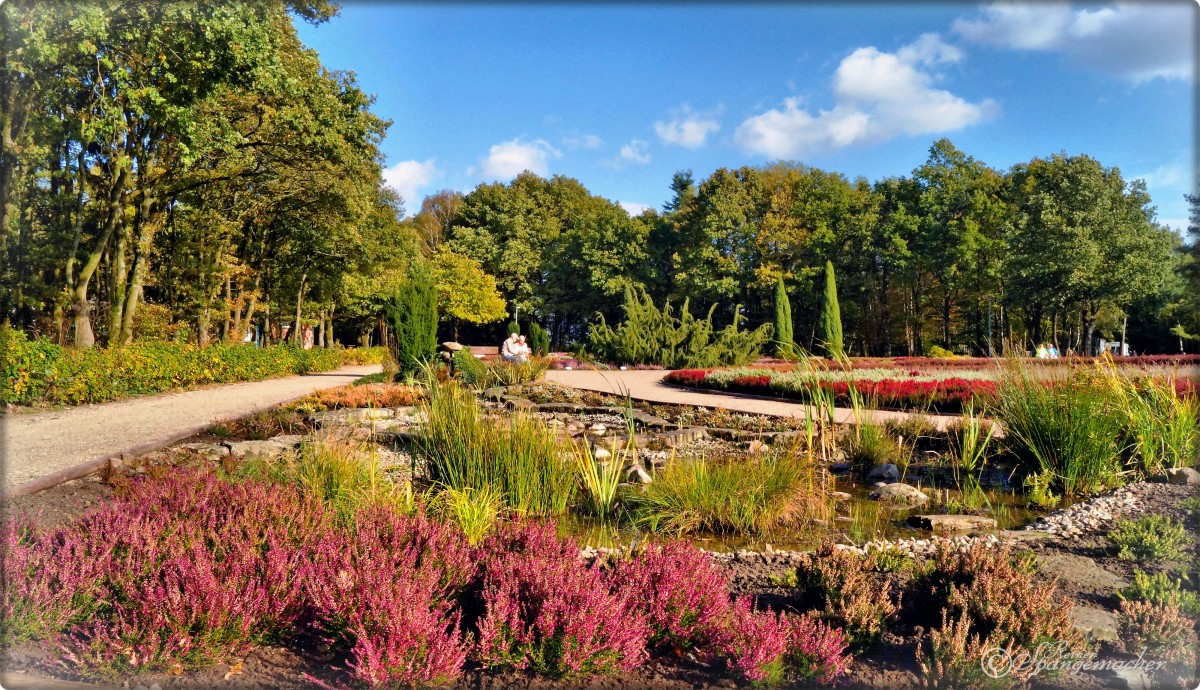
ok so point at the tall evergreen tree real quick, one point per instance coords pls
(784, 344)
(414, 322)
(830, 326)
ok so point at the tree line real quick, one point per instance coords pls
(189, 171)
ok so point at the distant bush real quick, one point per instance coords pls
(38, 371)
(650, 335)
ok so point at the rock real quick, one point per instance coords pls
(600, 453)
(886, 473)
(597, 429)
(452, 346)
(1080, 571)
(256, 450)
(1095, 623)
(1183, 475)
(840, 496)
(211, 451)
(555, 423)
(899, 495)
(951, 523)
(495, 393)
(350, 416)
(1134, 678)
(840, 467)
(638, 474)
(289, 440)
(513, 403)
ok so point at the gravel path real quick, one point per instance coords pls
(37, 444)
(647, 385)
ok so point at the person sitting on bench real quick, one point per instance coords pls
(511, 350)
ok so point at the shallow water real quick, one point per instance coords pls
(867, 520)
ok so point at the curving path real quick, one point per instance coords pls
(647, 385)
(40, 443)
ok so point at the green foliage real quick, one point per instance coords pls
(512, 327)
(1064, 433)
(829, 329)
(465, 292)
(1161, 589)
(649, 335)
(1149, 538)
(870, 444)
(784, 343)
(414, 322)
(474, 510)
(38, 372)
(471, 370)
(736, 495)
(941, 352)
(518, 457)
(539, 339)
(599, 479)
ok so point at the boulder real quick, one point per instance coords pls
(1183, 475)
(597, 429)
(452, 346)
(951, 523)
(1095, 623)
(350, 416)
(211, 451)
(256, 450)
(886, 473)
(840, 496)
(639, 475)
(901, 495)
(601, 453)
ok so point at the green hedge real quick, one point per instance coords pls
(38, 371)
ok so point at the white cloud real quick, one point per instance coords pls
(1163, 176)
(583, 141)
(687, 128)
(877, 96)
(408, 178)
(509, 159)
(636, 151)
(1137, 42)
(633, 208)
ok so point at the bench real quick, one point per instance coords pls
(484, 351)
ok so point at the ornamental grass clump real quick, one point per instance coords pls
(518, 456)
(386, 593)
(546, 611)
(743, 495)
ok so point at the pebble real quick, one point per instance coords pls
(1088, 517)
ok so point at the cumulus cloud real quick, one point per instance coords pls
(878, 96)
(633, 208)
(1136, 42)
(636, 151)
(509, 159)
(687, 128)
(408, 178)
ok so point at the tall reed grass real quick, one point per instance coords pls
(742, 495)
(517, 455)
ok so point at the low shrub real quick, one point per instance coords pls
(358, 396)
(475, 511)
(39, 372)
(1156, 629)
(951, 658)
(1160, 589)
(547, 612)
(840, 586)
(1149, 538)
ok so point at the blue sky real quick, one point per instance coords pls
(620, 96)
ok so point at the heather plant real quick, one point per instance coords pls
(361, 395)
(951, 658)
(996, 594)
(841, 587)
(192, 569)
(679, 591)
(767, 648)
(518, 456)
(1149, 538)
(1157, 629)
(1162, 590)
(546, 611)
(387, 592)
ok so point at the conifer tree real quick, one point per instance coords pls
(784, 344)
(414, 322)
(830, 325)
(539, 339)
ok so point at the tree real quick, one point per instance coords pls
(465, 291)
(784, 344)
(414, 322)
(830, 329)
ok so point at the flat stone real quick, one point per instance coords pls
(840, 496)
(1080, 571)
(256, 450)
(212, 451)
(496, 393)
(514, 403)
(650, 421)
(1183, 475)
(900, 495)
(452, 346)
(682, 437)
(289, 440)
(951, 523)
(1095, 623)
(350, 416)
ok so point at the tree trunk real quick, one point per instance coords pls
(226, 324)
(202, 320)
(1089, 327)
(141, 261)
(1124, 325)
(84, 336)
(118, 273)
(297, 331)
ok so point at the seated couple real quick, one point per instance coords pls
(515, 350)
